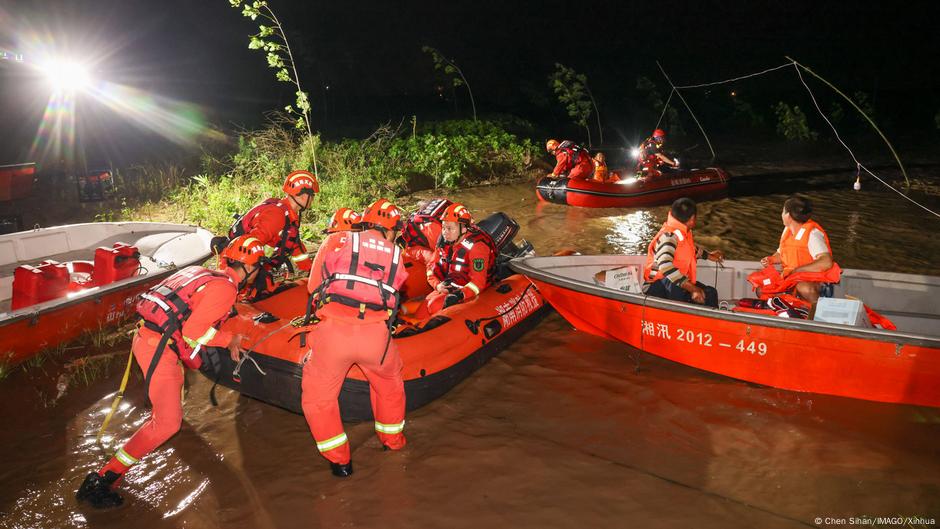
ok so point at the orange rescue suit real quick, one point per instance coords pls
(209, 305)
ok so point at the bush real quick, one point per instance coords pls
(792, 124)
(352, 172)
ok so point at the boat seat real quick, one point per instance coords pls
(36, 284)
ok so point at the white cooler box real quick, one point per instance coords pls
(843, 311)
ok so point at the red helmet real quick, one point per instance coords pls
(551, 145)
(457, 213)
(659, 134)
(343, 220)
(245, 249)
(300, 182)
(382, 214)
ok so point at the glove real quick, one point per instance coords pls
(453, 299)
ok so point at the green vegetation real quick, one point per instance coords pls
(573, 92)
(792, 124)
(352, 172)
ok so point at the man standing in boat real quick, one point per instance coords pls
(804, 252)
(357, 294)
(276, 223)
(179, 317)
(464, 266)
(651, 159)
(670, 270)
(572, 160)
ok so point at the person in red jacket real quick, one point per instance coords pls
(465, 263)
(420, 236)
(276, 223)
(572, 160)
(356, 291)
(179, 317)
(651, 160)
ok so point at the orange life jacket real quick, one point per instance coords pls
(365, 272)
(684, 259)
(290, 233)
(166, 306)
(771, 283)
(424, 226)
(794, 249)
(453, 264)
(600, 171)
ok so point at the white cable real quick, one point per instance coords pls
(736, 78)
(666, 106)
(852, 154)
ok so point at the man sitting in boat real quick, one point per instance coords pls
(670, 270)
(357, 288)
(420, 238)
(572, 160)
(182, 314)
(465, 263)
(651, 160)
(804, 252)
(276, 223)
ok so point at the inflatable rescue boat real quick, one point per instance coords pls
(438, 353)
(699, 184)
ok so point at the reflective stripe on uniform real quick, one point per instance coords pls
(158, 301)
(678, 234)
(333, 442)
(299, 258)
(474, 288)
(360, 279)
(389, 428)
(125, 458)
(204, 339)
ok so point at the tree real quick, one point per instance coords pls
(272, 40)
(452, 71)
(573, 91)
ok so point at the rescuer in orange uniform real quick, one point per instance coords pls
(276, 223)
(650, 158)
(465, 263)
(572, 160)
(179, 317)
(804, 251)
(420, 237)
(356, 291)
(671, 259)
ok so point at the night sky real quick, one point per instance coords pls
(369, 55)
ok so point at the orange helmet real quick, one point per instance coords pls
(659, 135)
(457, 213)
(245, 249)
(300, 182)
(343, 220)
(382, 214)
(551, 145)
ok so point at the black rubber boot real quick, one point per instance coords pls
(341, 471)
(96, 490)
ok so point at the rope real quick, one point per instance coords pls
(796, 66)
(768, 70)
(684, 102)
(665, 107)
(117, 397)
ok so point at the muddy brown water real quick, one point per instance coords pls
(563, 429)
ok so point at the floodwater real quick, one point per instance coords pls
(563, 429)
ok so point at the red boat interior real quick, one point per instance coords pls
(51, 279)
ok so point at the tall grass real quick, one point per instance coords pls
(389, 163)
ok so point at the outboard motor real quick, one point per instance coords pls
(503, 229)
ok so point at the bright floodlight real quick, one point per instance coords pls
(66, 76)
(635, 153)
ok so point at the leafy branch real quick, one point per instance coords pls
(573, 92)
(271, 39)
(450, 69)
